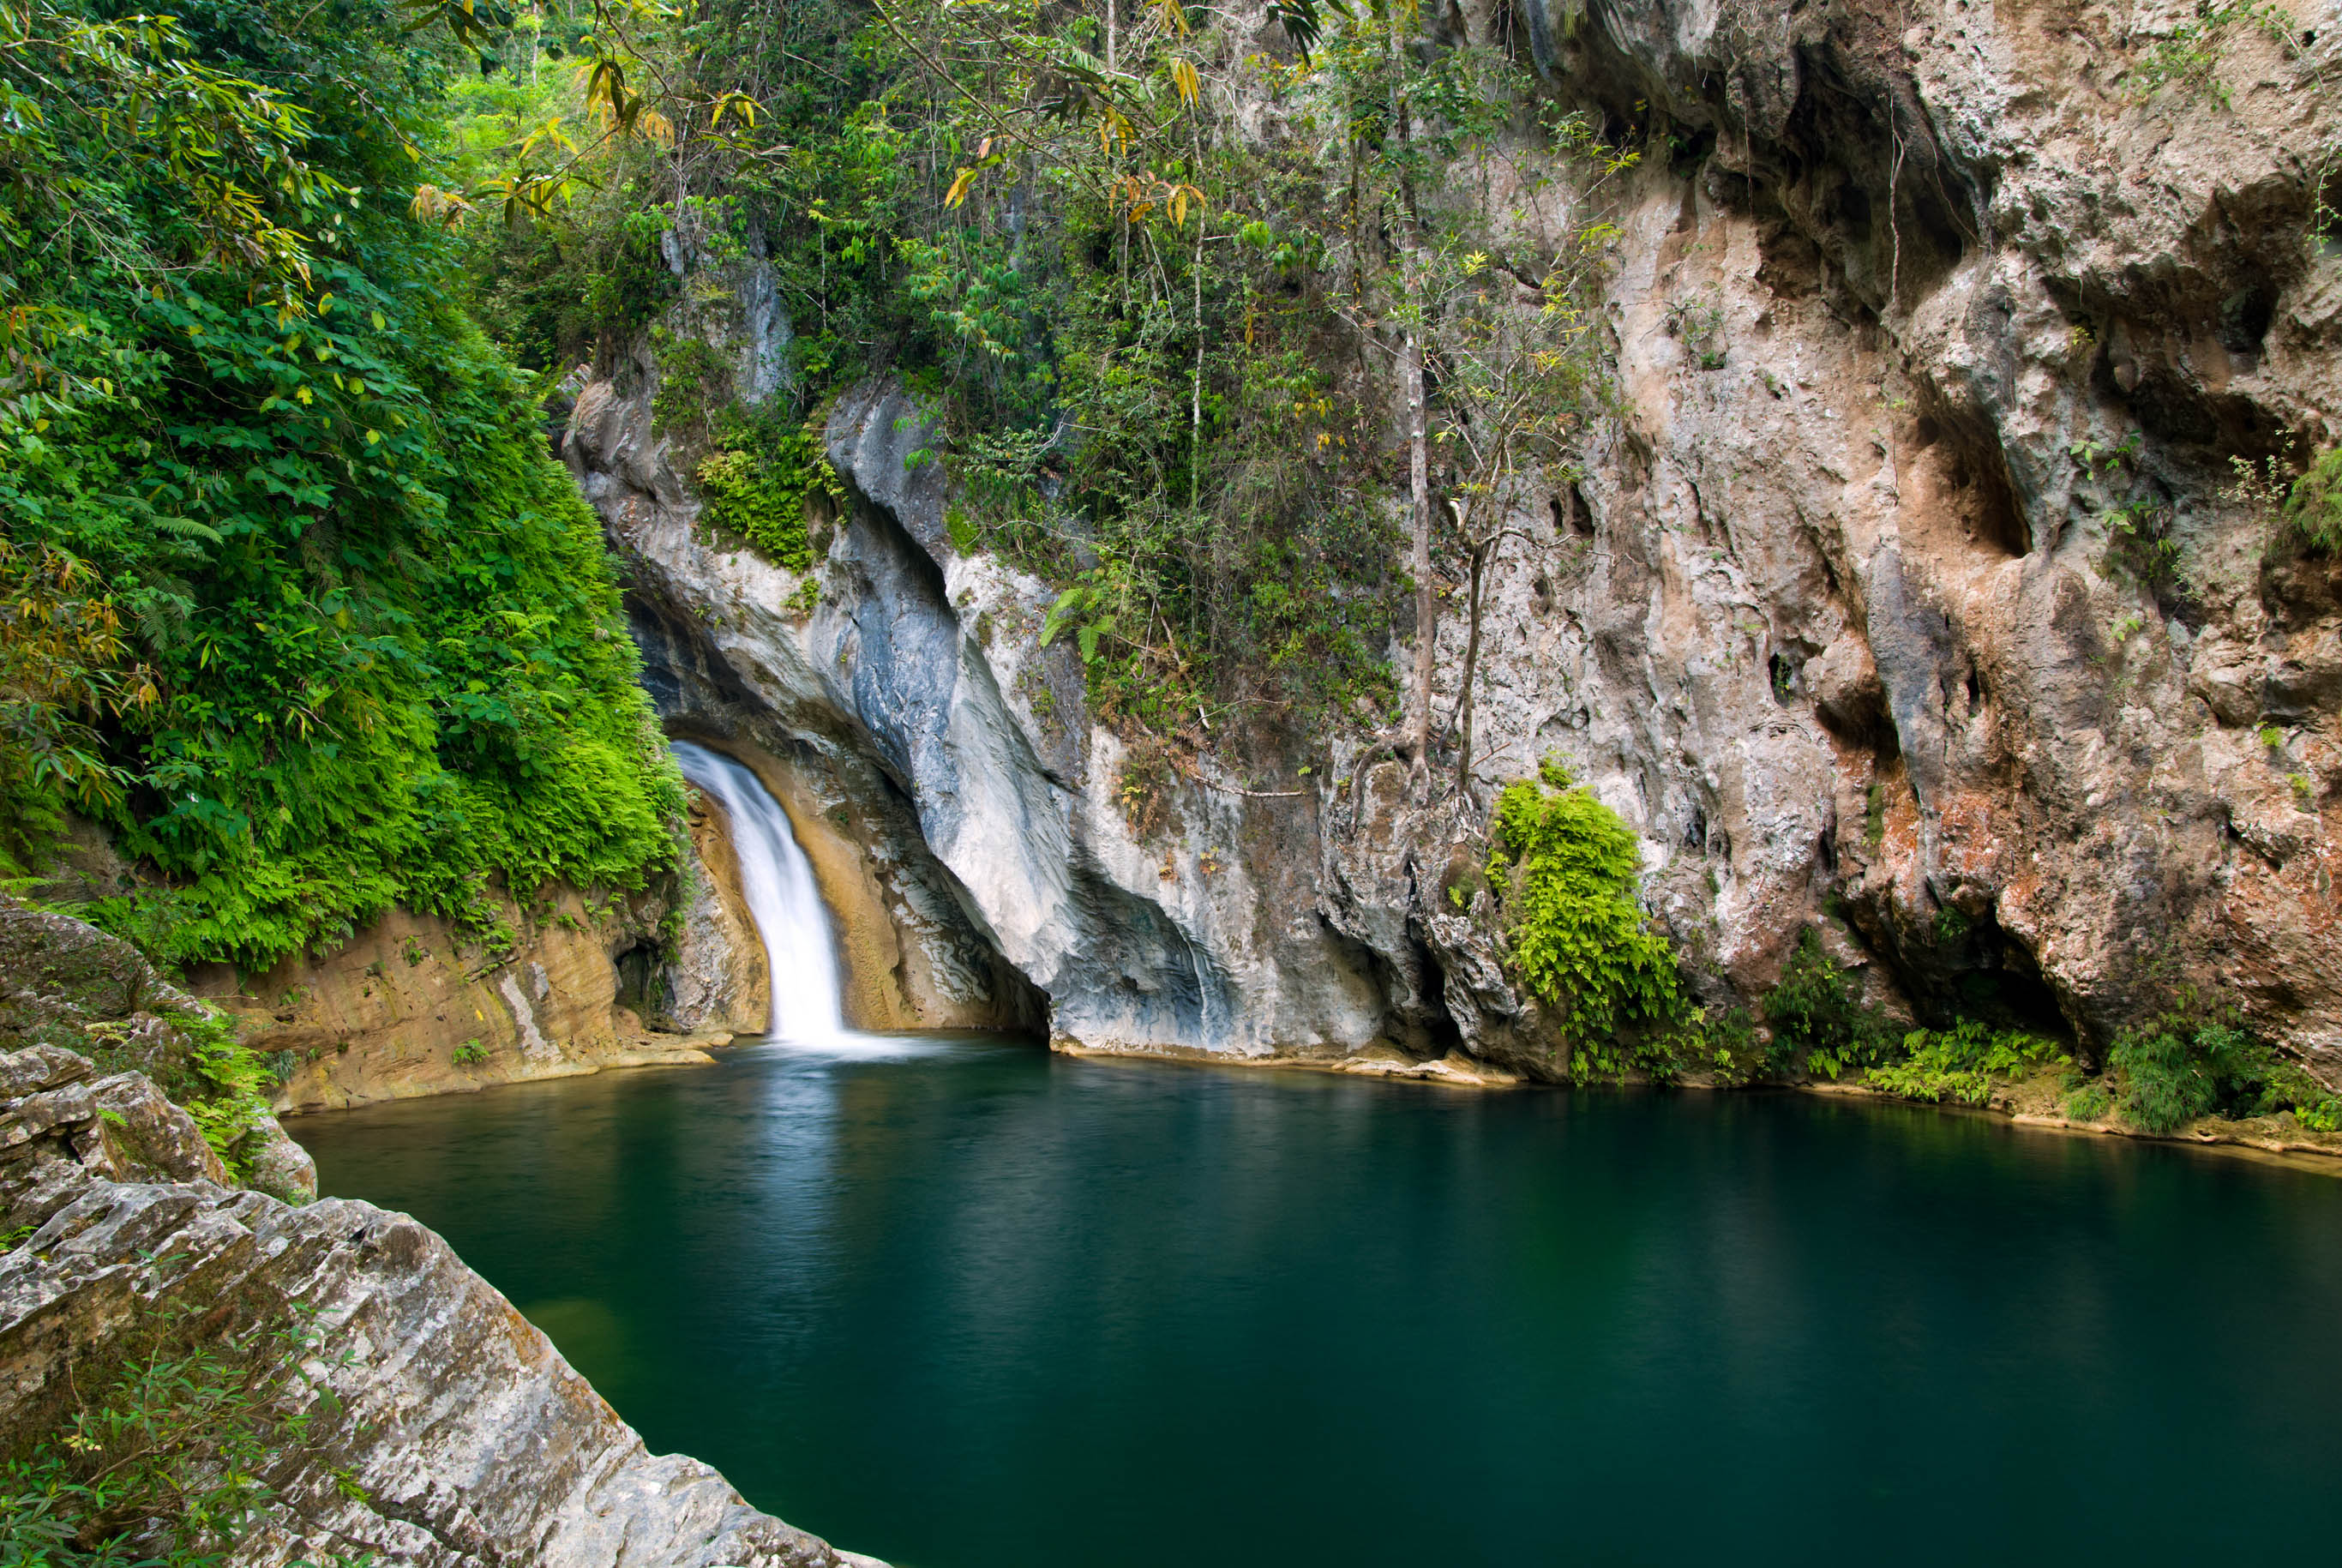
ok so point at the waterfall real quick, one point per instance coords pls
(778, 884)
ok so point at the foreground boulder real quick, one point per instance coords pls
(426, 1421)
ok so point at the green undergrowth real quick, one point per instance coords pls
(157, 1455)
(1963, 1063)
(2162, 1077)
(2192, 1062)
(306, 615)
(1819, 1026)
(1563, 867)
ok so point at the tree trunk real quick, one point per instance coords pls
(1418, 437)
(1471, 663)
(1418, 471)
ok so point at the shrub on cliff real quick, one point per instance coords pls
(1566, 868)
(2314, 507)
(157, 1458)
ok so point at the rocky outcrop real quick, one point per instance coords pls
(441, 1429)
(1847, 626)
(913, 696)
(415, 1005)
(71, 988)
(1852, 614)
(416, 1414)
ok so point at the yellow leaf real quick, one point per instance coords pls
(1175, 17)
(958, 192)
(303, 393)
(373, 437)
(1184, 78)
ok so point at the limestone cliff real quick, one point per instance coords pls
(1844, 617)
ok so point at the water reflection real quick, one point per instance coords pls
(979, 1305)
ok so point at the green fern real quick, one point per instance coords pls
(1567, 870)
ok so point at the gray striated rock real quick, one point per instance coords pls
(998, 831)
(275, 1164)
(461, 1437)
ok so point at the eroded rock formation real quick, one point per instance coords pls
(415, 1005)
(1847, 616)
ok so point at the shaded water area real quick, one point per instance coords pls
(970, 1305)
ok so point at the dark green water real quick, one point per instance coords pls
(985, 1307)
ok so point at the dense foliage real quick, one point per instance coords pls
(301, 607)
(1818, 1024)
(2189, 1064)
(1157, 337)
(1962, 1064)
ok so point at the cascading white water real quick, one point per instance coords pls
(777, 883)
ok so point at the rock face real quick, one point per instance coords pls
(411, 1005)
(1852, 623)
(457, 1434)
(907, 698)
(716, 978)
(1853, 617)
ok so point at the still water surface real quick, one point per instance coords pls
(971, 1305)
